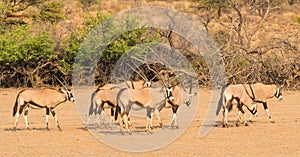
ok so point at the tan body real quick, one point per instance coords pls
(248, 95)
(238, 93)
(105, 97)
(151, 99)
(260, 93)
(40, 98)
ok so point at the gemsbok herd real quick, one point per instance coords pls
(122, 98)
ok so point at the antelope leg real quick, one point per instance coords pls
(161, 124)
(16, 122)
(174, 123)
(125, 119)
(56, 121)
(47, 118)
(267, 111)
(26, 118)
(225, 113)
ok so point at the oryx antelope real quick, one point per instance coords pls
(152, 99)
(259, 93)
(40, 98)
(248, 96)
(236, 93)
(181, 96)
(105, 97)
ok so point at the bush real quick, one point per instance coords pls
(24, 55)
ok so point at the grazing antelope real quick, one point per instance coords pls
(259, 93)
(40, 98)
(236, 93)
(104, 97)
(152, 99)
(249, 96)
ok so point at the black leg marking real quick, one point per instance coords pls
(47, 114)
(175, 108)
(265, 105)
(112, 112)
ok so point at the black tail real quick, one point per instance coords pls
(117, 111)
(92, 109)
(220, 103)
(15, 110)
(118, 108)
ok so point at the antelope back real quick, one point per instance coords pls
(105, 95)
(43, 97)
(264, 92)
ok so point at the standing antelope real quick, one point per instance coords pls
(151, 99)
(40, 98)
(180, 97)
(104, 97)
(249, 96)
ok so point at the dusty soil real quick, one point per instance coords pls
(261, 138)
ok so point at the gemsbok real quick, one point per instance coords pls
(248, 96)
(259, 93)
(152, 99)
(181, 96)
(40, 98)
(105, 97)
(236, 93)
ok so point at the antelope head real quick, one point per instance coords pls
(68, 94)
(66, 90)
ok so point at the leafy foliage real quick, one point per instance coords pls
(51, 11)
(25, 55)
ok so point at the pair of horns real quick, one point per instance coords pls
(61, 82)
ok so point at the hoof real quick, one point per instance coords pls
(85, 128)
(47, 129)
(246, 124)
(272, 121)
(161, 125)
(28, 128)
(14, 129)
(237, 124)
(225, 125)
(175, 127)
(59, 129)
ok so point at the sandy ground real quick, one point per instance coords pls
(260, 138)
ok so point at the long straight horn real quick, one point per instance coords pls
(191, 86)
(182, 85)
(159, 75)
(65, 83)
(140, 74)
(269, 73)
(61, 83)
(169, 85)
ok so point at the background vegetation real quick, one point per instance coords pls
(258, 39)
